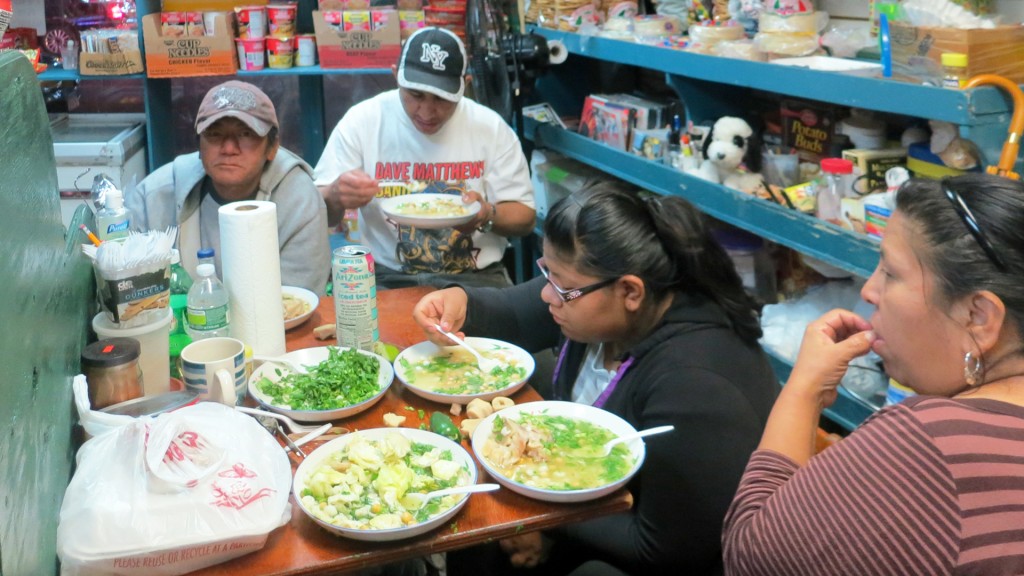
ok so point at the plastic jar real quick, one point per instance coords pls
(112, 370)
(954, 70)
(836, 185)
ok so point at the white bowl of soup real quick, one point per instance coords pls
(356, 486)
(450, 375)
(429, 210)
(554, 451)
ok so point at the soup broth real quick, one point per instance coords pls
(555, 452)
(455, 371)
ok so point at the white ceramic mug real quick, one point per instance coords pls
(214, 368)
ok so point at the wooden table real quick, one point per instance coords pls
(302, 547)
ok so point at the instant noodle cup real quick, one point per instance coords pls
(409, 21)
(334, 19)
(252, 22)
(281, 20)
(280, 52)
(250, 53)
(305, 52)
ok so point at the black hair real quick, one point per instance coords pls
(951, 252)
(608, 231)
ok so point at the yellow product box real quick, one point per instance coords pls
(177, 56)
(869, 167)
(353, 20)
(851, 215)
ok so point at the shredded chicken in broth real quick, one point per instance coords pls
(555, 452)
(294, 306)
(455, 371)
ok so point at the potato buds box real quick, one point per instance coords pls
(808, 128)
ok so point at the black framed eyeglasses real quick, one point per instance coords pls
(573, 293)
(974, 228)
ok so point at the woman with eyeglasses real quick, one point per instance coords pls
(935, 484)
(652, 323)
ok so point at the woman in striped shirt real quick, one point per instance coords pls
(934, 485)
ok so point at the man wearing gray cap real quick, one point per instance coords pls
(239, 158)
(425, 137)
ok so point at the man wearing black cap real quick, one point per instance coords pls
(239, 158)
(425, 137)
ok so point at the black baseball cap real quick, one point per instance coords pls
(434, 60)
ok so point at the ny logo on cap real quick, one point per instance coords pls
(435, 55)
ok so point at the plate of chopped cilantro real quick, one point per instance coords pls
(340, 382)
(450, 374)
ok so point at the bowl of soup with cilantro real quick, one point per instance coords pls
(357, 486)
(429, 210)
(553, 451)
(450, 374)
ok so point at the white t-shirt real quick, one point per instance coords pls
(593, 377)
(475, 150)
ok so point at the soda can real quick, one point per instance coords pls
(355, 297)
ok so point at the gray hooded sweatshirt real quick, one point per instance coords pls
(172, 196)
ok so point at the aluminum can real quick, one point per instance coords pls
(355, 297)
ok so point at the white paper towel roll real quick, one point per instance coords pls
(252, 274)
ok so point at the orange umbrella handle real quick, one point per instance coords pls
(1008, 157)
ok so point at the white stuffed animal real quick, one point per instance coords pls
(732, 155)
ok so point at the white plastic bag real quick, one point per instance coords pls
(171, 494)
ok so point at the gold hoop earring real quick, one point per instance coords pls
(973, 369)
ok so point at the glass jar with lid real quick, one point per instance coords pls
(111, 368)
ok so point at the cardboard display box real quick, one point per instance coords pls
(998, 50)
(378, 48)
(176, 56)
(119, 64)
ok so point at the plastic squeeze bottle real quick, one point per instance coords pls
(113, 220)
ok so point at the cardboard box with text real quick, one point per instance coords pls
(377, 48)
(176, 56)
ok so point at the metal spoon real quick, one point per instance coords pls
(416, 500)
(640, 434)
(486, 365)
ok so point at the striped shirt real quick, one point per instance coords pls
(929, 486)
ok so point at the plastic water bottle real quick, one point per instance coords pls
(113, 220)
(207, 305)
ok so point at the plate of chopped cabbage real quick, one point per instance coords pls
(449, 374)
(427, 210)
(340, 382)
(553, 451)
(356, 485)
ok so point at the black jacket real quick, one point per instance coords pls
(693, 372)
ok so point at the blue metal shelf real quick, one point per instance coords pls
(313, 71)
(979, 106)
(59, 75)
(851, 252)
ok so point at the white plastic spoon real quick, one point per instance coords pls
(416, 500)
(486, 364)
(639, 434)
(293, 366)
(292, 425)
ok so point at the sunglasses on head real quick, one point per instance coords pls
(974, 228)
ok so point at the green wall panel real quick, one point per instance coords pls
(46, 293)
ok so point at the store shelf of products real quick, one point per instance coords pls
(711, 87)
(967, 108)
(852, 252)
